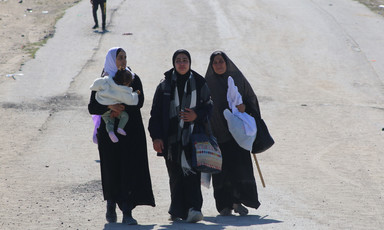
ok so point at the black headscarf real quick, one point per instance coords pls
(181, 51)
(218, 85)
(181, 79)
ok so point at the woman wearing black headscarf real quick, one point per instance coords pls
(124, 165)
(235, 186)
(181, 101)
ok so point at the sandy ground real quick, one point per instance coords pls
(24, 25)
(317, 68)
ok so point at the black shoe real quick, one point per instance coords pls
(95, 26)
(127, 219)
(238, 208)
(226, 212)
(104, 29)
(111, 212)
(174, 218)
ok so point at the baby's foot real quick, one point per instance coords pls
(113, 137)
(121, 131)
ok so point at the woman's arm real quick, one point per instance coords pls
(155, 124)
(95, 107)
(136, 85)
(203, 110)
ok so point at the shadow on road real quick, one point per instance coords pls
(119, 226)
(221, 222)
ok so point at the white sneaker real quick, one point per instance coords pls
(194, 216)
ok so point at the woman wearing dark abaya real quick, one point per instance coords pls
(235, 186)
(181, 102)
(124, 166)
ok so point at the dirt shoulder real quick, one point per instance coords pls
(375, 5)
(25, 26)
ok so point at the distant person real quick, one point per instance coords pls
(125, 175)
(103, 8)
(181, 101)
(110, 91)
(235, 185)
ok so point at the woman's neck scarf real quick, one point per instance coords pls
(179, 140)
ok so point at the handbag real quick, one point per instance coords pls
(206, 154)
(263, 139)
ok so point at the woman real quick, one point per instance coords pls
(181, 102)
(124, 165)
(235, 186)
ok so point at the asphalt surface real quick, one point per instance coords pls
(317, 68)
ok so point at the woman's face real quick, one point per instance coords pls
(121, 60)
(219, 65)
(182, 64)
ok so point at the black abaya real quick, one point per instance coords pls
(236, 183)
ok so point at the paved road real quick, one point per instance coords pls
(316, 66)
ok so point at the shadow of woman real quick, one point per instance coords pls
(221, 222)
(120, 226)
(248, 220)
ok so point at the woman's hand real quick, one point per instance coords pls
(158, 145)
(241, 108)
(188, 115)
(116, 109)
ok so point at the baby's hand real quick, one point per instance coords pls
(138, 92)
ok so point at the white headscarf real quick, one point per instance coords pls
(110, 62)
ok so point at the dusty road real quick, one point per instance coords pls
(317, 68)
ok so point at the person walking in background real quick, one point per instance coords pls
(235, 186)
(124, 166)
(181, 100)
(103, 8)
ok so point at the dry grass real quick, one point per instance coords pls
(374, 5)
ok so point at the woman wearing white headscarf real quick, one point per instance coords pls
(235, 186)
(124, 165)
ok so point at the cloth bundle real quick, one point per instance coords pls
(242, 126)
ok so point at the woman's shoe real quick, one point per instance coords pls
(226, 212)
(129, 220)
(194, 216)
(111, 212)
(174, 218)
(238, 208)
